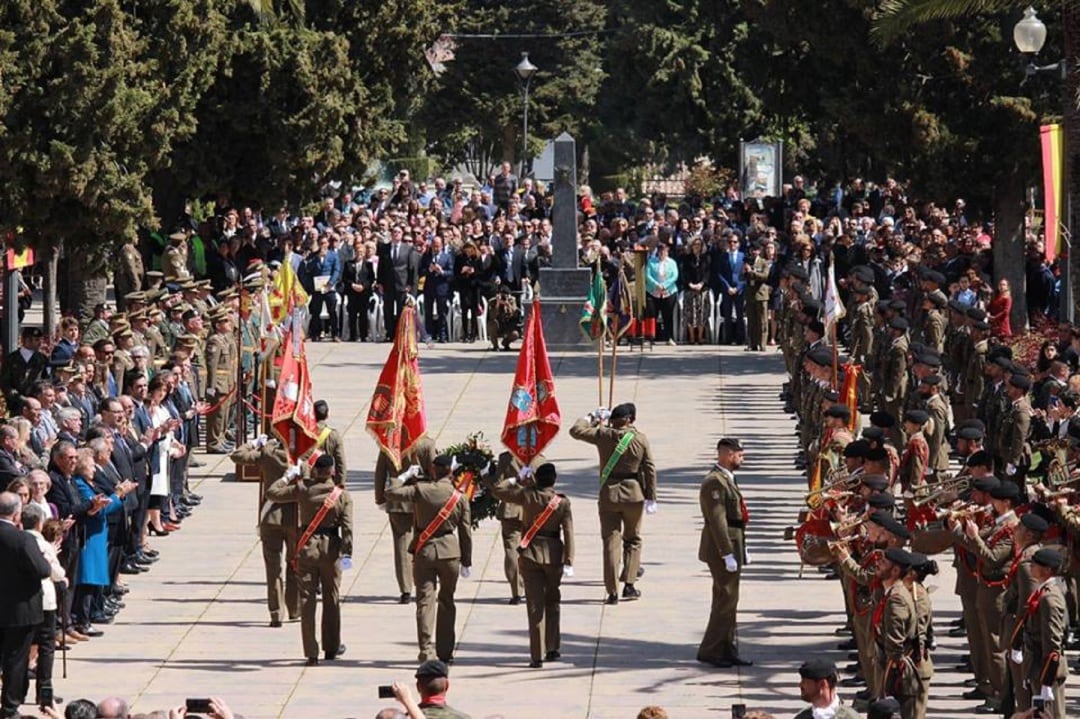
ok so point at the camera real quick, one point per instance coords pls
(198, 706)
(386, 692)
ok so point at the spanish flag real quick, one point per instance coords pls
(287, 292)
(1052, 140)
(396, 418)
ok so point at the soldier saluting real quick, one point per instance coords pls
(627, 491)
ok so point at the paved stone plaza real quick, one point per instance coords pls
(197, 624)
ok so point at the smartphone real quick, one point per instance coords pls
(198, 706)
(1037, 706)
(386, 692)
(46, 696)
(738, 711)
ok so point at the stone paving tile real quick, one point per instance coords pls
(197, 624)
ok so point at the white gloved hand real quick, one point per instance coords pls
(412, 471)
(465, 571)
(380, 507)
(261, 441)
(292, 472)
(1016, 656)
(567, 570)
(745, 557)
(1046, 693)
(525, 472)
(511, 481)
(454, 464)
(490, 468)
(602, 413)
(651, 506)
(730, 564)
(345, 563)
(1010, 469)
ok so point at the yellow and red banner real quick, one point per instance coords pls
(532, 415)
(849, 393)
(1052, 138)
(293, 416)
(397, 418)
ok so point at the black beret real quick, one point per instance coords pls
(882, 419)
(875, 433)
(918, 559)
(798, 272)
(821, 356)
(811, 307)
(839, 411)
(935, 277)
(981, 325)
(883, 709)
(1000, 351)
(916, 416)
(876, 482)
(857, 449)
(918, 348)
(970, 433)
(1003, 362)
(986, 484)
(545, 474)
(816, 326)
(863, 273)
(325, 461)
(624, 410)
(930, 359)
(1034, 522)
(882, 501)
(1006, 490)
(443, 460)
(831, 395)
(976, 314)
(1020, 381)
(899, 557)
(890, 524)
(433, 668)
(897, 305)
(931, 379)
(957, 306)
(876, 454)
(1046, 557)
(939, 299)
(899, 323)
(861, 290)
(817, 669)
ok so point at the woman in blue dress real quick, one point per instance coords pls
(93, 575)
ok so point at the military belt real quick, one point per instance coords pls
(327, 531)
(549, 533)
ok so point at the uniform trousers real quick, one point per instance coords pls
(542, 597)
(757, 323)
(967, 586)
(321, 571)
(282, 586)
(511, 540)
(436, 580)
(719, 639)
(401, 529)
(216, 422)
(620, 528)
(989, 603)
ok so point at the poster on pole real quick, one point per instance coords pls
(761, 167)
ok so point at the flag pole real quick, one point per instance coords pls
(599, 345)
(835, 358)
(611, 379)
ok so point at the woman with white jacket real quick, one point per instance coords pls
(48, 540)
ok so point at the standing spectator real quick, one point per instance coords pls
(694, 278)
(397, 278)
(661, 286)
(65, 348)
(437, 269)
(11, 465)
(999, 309)
(26, 365)
(358, 279)
(503, 187)
(93, 574)
(20, 602)
(729, 288)
(34, 520)
(321, 274)
(467, 267)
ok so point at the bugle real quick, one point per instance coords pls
(967, 511)
(952, 485)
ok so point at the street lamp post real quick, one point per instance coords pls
(1029, 35)
(525, 71)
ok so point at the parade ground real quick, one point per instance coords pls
(197, 624)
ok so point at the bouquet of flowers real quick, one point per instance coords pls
(472, 459)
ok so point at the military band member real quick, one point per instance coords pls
(1016, 424)
(323, 550)
(440, 511)
(914, 462)
(723, 550)
(221, 376)
(1040, 642)
(627, 491)
(894, 371)
(817, 685)
(896, 630)
(1020, 583)
(546, 554)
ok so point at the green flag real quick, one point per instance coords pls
(592, 313)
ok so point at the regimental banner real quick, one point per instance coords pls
(396, 418)
(532, 416)
(1052, 138)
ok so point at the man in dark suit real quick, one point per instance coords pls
(10, 467)
(437, 269)
(359, 282)
(20, 602)
(397, 277)
(512, 264)
(26, 365)
(129, 459)
(728, 284)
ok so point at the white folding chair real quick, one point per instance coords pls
(481, 321)
(376, 329)
(710, 319)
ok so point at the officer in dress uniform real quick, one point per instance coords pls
(1040, 642)
(722, 548)
(438, 556)
(221, 377)
(324, 549)
(509, 516)
(278, 530)
(546, 553)
(897, 633)
(416, 462)
(174, 258)
(627, 491)
(1020, 584)
(817, 685)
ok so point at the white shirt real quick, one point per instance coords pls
(48, 588)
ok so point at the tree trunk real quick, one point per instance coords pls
(85, 285)
(1009, 242)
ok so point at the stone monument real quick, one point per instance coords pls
(564, 285)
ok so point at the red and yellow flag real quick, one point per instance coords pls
(849, 393)
(396, 418)
(293, 416)
(532, 415)
(1052, 138)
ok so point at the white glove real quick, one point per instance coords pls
(567, 570)
(651, 506)
(602, 413)
(490, 468)
(345, 563)
(511, 481)
(380, 507)
(1010, 469)
(1016, 656)
(412, 471)
(730, 564)
(292, 472)
(525, 472)
(465, 571)
(454, 464)
(745, 556)
(1046, 693)
(260, 441)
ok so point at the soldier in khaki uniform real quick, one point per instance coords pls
(1040, 646)
(221, 378)
(921, 567)
(862, 340)
(400, 514)
(509, 516)
(933, 323)
(758, 292)
(278, 530)
(174, 258)
(1016, 425)
(438, 556)
(1027, 539)
(128, 276)
(936, 434)
(326, 552)
(627, 491)
(817, 685)
(547, 553)
(330, 441)
(894, 372)
(722, 548)
(897, 634)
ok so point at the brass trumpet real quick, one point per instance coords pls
(850, 528)
(951, 485)
(827, 493)
(968, 511)
(1054, 444)
(837, 543)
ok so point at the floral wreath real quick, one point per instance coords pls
(471, 460)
